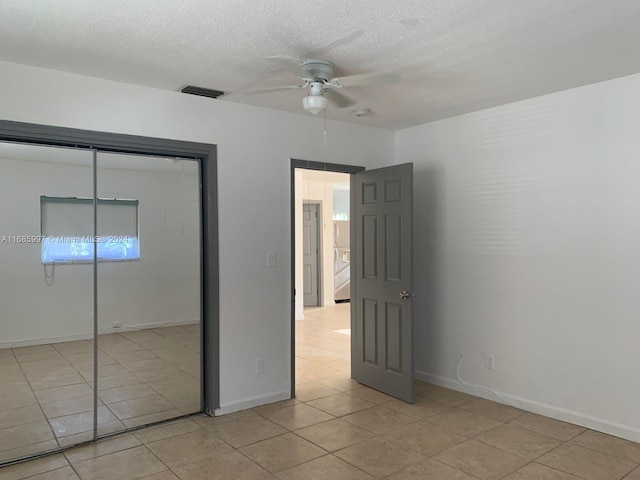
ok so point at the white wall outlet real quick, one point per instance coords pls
(272, 260)
(260, 365)
(116, 324)
(489, 361)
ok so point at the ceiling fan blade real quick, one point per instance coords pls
(324, 51)
(368, 79)
(272, 89)
(339, 99)
(290, 64)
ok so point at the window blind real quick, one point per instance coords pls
(67, 229)
(73, 217)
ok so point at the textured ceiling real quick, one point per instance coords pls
(453, 56)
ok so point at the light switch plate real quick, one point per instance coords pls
(271, 259)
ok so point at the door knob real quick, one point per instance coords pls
(404, 295)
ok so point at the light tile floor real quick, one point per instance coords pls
(339, 430)
(46, 391)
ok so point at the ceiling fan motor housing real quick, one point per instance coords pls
(317, 69)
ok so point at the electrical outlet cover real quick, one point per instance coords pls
(489, 361)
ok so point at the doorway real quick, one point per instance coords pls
(116, 251)
(380, 326)
(321, 325)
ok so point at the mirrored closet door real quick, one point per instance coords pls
(148, 289)
(100, 285)
(46, 310)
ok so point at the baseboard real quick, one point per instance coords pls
(101, 331)
(552, 411)
(253, 402)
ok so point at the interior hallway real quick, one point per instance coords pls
(337, 429)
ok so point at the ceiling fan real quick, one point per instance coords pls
(317, 75)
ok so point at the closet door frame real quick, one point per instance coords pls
(206, 156)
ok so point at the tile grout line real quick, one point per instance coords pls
(529, 462)
(457, 469)
(53, 433)
(571, 443)
(214, 436)
(567, 443)
(75, 367)
(332, 454)
(95, 393)
(118, 362)
(158, 458)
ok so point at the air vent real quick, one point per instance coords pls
(203, 92)
(362, 112)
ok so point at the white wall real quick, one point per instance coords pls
(255, 146)
(162, 288)
(527, 246)
(317, 187)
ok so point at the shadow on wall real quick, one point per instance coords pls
(428, 271)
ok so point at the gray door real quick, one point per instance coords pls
(310, 253)
(381, 319)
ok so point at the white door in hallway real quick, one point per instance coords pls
(382, 326)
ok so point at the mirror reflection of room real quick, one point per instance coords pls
(148, 294)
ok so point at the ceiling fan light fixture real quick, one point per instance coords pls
(315, 104)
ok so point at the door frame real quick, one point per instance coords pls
(319, 255)
(206, 156)
(325, 167)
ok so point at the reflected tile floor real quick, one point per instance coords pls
(340, 430)
(46, 391)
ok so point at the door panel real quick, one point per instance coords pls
(370, 331)
(393, 332)
(370, 246)
(308, 280)
(310, 253)
(393, 250)
(381, 354)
